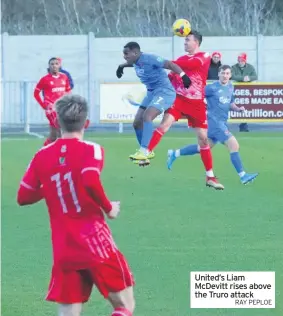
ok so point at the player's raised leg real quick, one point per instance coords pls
(143, 153)
(138, 127)
(206, 157)
(236, 161)
(162, 100)
(172, 115)
(188, 150)
(163, 128)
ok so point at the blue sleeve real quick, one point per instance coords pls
(69, 77)
(156, 61)
(209, 90)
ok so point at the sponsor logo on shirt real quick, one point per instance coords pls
(59, 89)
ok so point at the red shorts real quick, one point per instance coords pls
(70, 287)
(192, 110)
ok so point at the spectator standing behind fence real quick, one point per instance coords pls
(243, 72)
(71, 82)
(215, 63)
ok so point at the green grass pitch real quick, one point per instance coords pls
(170, 224)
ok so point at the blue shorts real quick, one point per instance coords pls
(160, 98)
(218, 132)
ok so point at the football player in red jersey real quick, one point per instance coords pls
(54, 85)
(190, 103)
(66, 174)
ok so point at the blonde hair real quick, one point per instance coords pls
(72, 111)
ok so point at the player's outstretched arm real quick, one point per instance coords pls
(178, 70)
(30, 189)
(120, 69)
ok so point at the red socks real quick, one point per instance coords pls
(121, 311)
(206, 157)
(155, 139)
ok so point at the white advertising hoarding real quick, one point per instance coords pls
(113, 104)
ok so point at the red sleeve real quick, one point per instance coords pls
(91, 171)
(189, 63)
(39, 87)
(91, 181)
(29, 191)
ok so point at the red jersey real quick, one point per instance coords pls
(66, 174)
(53, 87)
(196, 67)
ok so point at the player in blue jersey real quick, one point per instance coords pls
(160, 92)
(220, 100)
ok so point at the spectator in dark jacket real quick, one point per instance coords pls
(243, 72)
(66, 73)
(214, 66)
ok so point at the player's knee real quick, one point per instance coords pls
(236, 147)
(148, 117)
(164, 127)
(137, 124)
(233, 145)
(166, 123)
(203, 140)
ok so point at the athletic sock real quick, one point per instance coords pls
(155, 139)
(237, 163)
(147, 134)
(189, 150)
(206, 157)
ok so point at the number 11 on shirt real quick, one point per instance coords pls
(67, 177)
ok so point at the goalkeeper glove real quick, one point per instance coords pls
(186, 80)
(119, 71)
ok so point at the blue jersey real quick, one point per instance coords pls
(219, 99)
(149, 69)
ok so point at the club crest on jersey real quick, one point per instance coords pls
(63, 82)
(139, 71)
(224, 100)
(51, 82)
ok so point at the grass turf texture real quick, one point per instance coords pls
(170, 224)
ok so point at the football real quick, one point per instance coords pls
(181, 27)
(135, 96)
